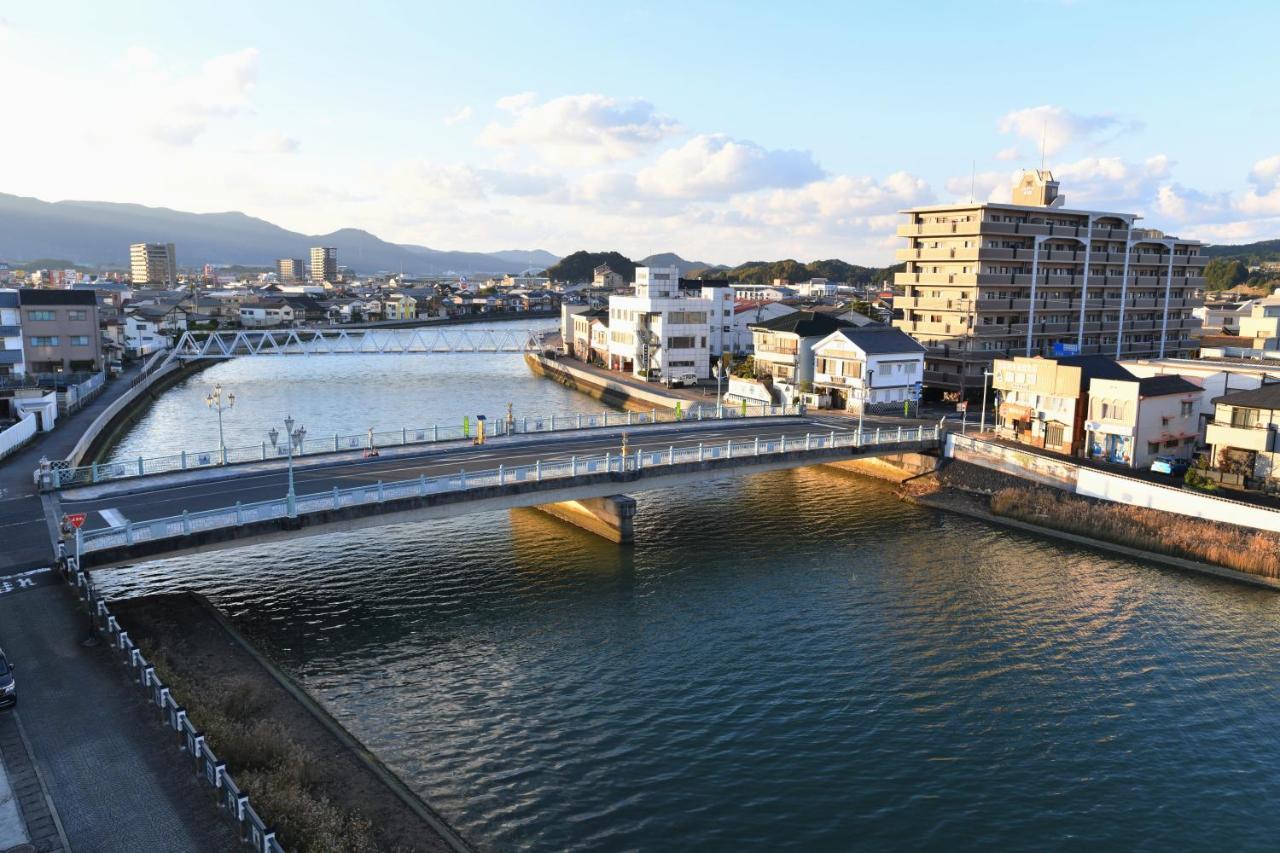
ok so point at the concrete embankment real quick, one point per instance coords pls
(619, 391)
(239, 696)
(101, 435)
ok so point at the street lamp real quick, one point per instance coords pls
(215, 402)
(294, 437)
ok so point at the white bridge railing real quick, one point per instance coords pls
(61, 476)
(187, 523)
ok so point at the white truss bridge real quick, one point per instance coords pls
(454, 339)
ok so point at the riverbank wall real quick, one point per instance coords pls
(620, 392)
(246, 704)
(99, 437)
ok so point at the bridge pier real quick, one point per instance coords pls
(895, 467)
(611, 516)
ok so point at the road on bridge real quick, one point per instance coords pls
(127, 501)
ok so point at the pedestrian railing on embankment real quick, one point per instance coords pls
(60, 476)
(250, 827)
(541, 470)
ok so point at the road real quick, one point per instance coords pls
(134, 501)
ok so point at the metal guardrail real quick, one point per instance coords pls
(60, 476)
(380, 492)
(251, 829)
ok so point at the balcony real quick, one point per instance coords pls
(1256, 438)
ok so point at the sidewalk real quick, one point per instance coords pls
(115, 773)
(27, 816)
(22, 523)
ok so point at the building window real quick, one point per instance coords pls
(1153, 447)
(44, 341)
(79, 340)
(1187, 408)
(77, 315)
(42, 315)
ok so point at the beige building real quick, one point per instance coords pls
(1132, 421)
(988, 280)
(1245, 433)
(153, 263)
(291, 270)
(324, 264)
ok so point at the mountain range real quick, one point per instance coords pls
(95, 233)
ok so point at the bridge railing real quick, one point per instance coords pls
(66, 476)
(380, 492)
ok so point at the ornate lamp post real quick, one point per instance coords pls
(215, 402)
(294, 437)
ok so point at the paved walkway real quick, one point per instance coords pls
(114, 771)
(22, 521)
(28, 815)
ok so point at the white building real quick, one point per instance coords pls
(818, 288)
(748, 314)
(1132, 421)
(661, 331)
(763, 292)
(867, 368)
(11, 359)
(266, 314)
(142, 336)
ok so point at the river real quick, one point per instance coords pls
(791, 660)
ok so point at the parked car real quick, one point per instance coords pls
(8, 687)
(1170, 465)
(684, 379)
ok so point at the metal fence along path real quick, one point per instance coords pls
(462, 481)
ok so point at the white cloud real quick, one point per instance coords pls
(714, 166)
(1010, 153)
(275, 142)
(579, 129)
(461, 116)
(1059, 128)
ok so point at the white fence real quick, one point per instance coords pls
(1108, 486)
(250, 827)
(380, 492)
(17, 435)
(77, 395)
(63, 476)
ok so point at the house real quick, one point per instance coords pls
(1245, 434)
(663, 330)
(141, 335)
(60, 331)
(747, 314)
(1132, 421)
(579, 338)
(868, 368)
(818, 288)
(266, 314)
(604, 277)
(1042, 401)
(399, 306)
(783, 347)
(171, 317)
(306, 308)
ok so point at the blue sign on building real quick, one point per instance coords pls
(1060, 349)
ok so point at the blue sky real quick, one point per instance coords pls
(722, 131)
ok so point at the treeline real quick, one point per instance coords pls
(579, 267)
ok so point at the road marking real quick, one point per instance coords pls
(113, 517)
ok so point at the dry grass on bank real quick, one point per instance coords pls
(1250, 551)
(275, 771)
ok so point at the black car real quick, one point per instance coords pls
(8, 687)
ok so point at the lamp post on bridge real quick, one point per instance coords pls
(214, 401)
(294, 437)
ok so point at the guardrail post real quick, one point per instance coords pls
(335, 442)
(94, 473)
(462, 478)
(671, 455)
(422, 484)
(404, 435)
(628, 417)
(502, 475)
(337, 501)
(140, 466)
(579, 420)
(526, 424)
(699, 411)
(537, 470)
(606, 418)
(899, 433)
(784, 444)
(833, 439)
(183, 457)
(728, 448)
(224, 454)
(264, 451)
(553, 423)
(699, 451)
(608, 463)
(239, 513)
(639, 459)
(573, 466)
(877, 435)
(128, 533)
(806, 441)
(653, 416)
(435, 432)
(757, 450)
(186, 522)
(381, 494)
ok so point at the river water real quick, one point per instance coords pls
(791, 660)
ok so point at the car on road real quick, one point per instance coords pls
(8, 687)
(1170, 465)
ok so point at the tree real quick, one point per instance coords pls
(1224, 273)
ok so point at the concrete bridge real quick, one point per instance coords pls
(583, 478)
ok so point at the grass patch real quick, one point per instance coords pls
(1242, 549)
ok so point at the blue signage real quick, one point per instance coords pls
(1066, 349)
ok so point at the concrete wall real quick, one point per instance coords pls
(607, 390)
(1019, 463)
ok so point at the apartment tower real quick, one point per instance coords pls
(324, 264)
(1033, 277)
(291, 270)
(153, 263)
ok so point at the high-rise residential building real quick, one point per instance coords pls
(989, 280)
(324, 264)
(291, 270)
(153, 263)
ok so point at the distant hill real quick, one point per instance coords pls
(761, 272)
(99, 233)
(530, 258)
(579, 266)
(671, 259)
(1250, 253)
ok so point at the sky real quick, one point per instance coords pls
(725, 132)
